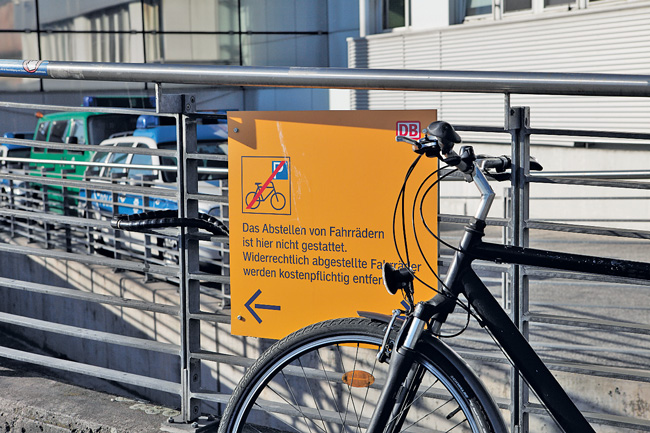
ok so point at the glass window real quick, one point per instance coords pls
(95, 170)
(220, 49)
(102, 127)
(394, 14)
(557, 2)
(57, 132)
(517, 5)
(92, 47)
(84, 15)
(284, 16)
(478, 7)
(196, 15)
(77, 130)
(41, 133)
(140, 160)
(17, 15)
(116, 158)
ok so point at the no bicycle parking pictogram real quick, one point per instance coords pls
(266, 185)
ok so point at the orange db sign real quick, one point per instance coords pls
(312, 201)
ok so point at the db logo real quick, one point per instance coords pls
(408, 129)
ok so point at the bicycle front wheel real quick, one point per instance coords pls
(326, 378)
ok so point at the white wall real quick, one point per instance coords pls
(606, 40)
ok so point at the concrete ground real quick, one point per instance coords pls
(38, 400)
(32, 401)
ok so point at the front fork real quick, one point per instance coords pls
(403, 379)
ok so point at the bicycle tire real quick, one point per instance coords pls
(321, 402)
(249, 197)
(278, 201)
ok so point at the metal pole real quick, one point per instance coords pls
(339, 78)
(518, 124)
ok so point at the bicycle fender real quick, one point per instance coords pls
(432, 348)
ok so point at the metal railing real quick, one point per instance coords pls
(204, 362)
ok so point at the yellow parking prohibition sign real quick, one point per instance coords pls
(312, 196)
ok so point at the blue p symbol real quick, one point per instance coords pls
(283, 173)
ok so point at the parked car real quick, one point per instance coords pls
(74, 128)
(13, 191)
(110, 165)
(8, 150)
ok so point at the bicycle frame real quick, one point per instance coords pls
(461, 279)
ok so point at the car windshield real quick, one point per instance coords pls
(103, 126)
(218, 147)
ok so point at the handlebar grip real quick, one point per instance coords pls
(498, 163)
(168, 218)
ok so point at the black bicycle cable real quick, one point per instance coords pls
(460, 303)
(401, 197)
(423, 218)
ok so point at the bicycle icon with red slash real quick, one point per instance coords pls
(266, 191)
(255, 198)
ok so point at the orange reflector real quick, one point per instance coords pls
(358, 379)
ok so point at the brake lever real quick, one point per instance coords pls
(429, 148)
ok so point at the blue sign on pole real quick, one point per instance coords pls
(36, 68)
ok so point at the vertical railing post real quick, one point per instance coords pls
(187, 175)
(12, 205)
(67, 202)
(517, 123)
(115, 199)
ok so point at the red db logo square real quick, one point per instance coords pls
(408, 129)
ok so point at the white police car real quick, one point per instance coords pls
(158, 173)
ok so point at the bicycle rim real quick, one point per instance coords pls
(330, 384)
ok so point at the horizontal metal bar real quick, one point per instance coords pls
(91, 370)
(606, 325)
(223, 358)
(211, 396)
(604, 174)
(88, 296)
(212, 278)
(343, 78)
(82, 109)
(211, 317)
(207, 156)
(547, 273)
(638, 424)
(602, 231)
(209, 198)
(623, 373)
(463, 219)
(88, 334)
(92, 260)
(121, 187)
(54, 218)
(537, 178)
(97, 148)
(590, 133)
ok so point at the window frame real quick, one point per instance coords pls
(537, 6)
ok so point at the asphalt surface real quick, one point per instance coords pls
(40, 400)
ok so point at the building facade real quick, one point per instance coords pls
(209, 32)
(581, 36)
(599, 36)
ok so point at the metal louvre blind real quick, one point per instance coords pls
(600, 41)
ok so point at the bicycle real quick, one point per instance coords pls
(255, 198)
(398, 375)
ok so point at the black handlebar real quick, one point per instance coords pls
(168, 218)
(438, 142)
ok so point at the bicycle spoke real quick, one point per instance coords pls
(313, 396)
(329, 383)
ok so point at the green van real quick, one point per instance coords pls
(73, 128)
